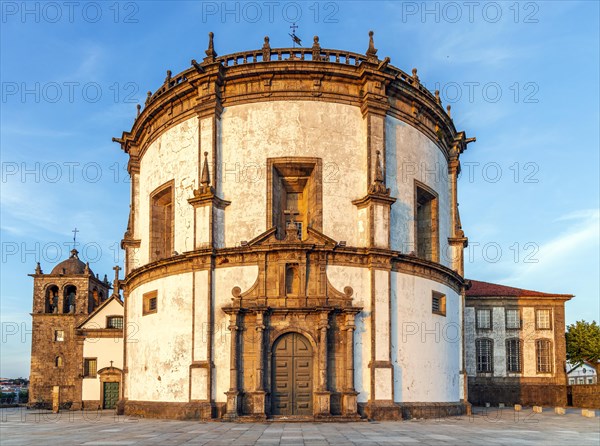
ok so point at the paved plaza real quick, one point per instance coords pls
(494, 427)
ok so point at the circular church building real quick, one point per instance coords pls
(294, 247)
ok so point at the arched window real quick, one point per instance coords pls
(484, 352)
(69, 302)
(58, 361)
(93, 300)
(51, 302)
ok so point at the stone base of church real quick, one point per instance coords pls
(384, 411)
(175, 411)
(387, 411)
(90, 405)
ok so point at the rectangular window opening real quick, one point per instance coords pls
(484, 319)
(438, 303)
(114, 322)
(150, 302)
(513, 319)
(484, 356)
(513, 355)
(426, 224)
(90, 367)
(543, 319)
(161, 223)
(543, 349)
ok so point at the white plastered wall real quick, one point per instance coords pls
(172, 156)
(104, 350)
(410, 156)
(159, 345)
(425, 346)
(251, 133)
(359, 279)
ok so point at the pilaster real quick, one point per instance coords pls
(322, 395)
(233, 395)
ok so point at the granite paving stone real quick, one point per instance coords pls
(486, 426)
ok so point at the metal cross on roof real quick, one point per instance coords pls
(293, 35)
(75, 231)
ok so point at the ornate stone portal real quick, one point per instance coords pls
(318, 381)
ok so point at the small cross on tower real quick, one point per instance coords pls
(75, 231)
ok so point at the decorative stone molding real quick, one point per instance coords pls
(204, 89)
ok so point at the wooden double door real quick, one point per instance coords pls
(292, 376)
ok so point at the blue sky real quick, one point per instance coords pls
(521, 77)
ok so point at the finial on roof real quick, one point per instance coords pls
(117, 282)
(205, 187)
(168, 78)
(139, 109)
(74, 253)
(414, 75)
(86, 270)
(105, 280)
(210, 52)
(378, 186)
(316, 49)
(266, 50)
(378, 168)
(197, 66)
(148, 96)
(371, 51)
(205, 180)
(437, 97)
(38, 269)
(448, 108)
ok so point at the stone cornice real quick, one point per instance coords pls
(374, 198)
(377, 258)
(338, 76)
(522, 301)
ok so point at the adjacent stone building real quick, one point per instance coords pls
(75, 329)
(585, 373)
(515, 347)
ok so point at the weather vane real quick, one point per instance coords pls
(293, 35)
(74, 231)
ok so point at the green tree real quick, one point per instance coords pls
(583, 343)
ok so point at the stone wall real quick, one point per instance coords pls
(542, 394)
(586, 396)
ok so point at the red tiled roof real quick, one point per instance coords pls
(486, 289)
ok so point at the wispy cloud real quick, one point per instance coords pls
(580, 238)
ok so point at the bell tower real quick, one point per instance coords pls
(61, 301)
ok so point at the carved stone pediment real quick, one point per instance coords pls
(314, 238)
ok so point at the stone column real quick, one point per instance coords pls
(258, 396)
(233, 395)
(349, 395)
(322, 395)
